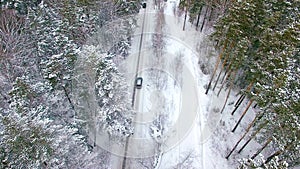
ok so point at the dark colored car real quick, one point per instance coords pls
(144, 4)
(139, 82)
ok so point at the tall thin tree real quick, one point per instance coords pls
(242, 116)
(243, 136)
(216, 67)
(228, 94)
(262, 148)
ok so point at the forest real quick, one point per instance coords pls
(42, 41)
(258, 44)
(40, 46)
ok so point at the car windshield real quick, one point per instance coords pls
(139, 81)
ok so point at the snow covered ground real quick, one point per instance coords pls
(210, 138)
(176, 124)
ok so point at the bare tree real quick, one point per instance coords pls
(157, 38)
(186, 161)
(146, 163)
(14, 50)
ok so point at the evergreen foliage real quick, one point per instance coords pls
(265, 49)
(40, 43)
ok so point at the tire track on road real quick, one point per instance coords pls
(134, 89)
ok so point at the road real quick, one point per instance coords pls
(159, 100)
(134, 64)
(140, 144)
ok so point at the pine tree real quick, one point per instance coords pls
(114, 115)
(31, 139)
(266, 46)
(101, 94)
(26, 140)
(40, 47)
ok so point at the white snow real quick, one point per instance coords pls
(185, 136)
(210, 138)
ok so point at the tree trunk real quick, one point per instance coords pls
(247, 90)
(198, 18)
(277, 153)
(216, 67)
(211, 13)
(203, 23)
(239, 100)
(249, 86)
(272, 156)
(246, 132)
(218, 77)
(223, 84)
(262, 148)
(220, 71)
(228, 94)
(185, 15)
(68, 97)
(255, 106)
(225, 73)
(238, 103)
(227, 69)
(244, 113)
(251, 137)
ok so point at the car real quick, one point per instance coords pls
(139, 82)
(144, 4)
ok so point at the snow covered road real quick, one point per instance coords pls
(167, 105)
